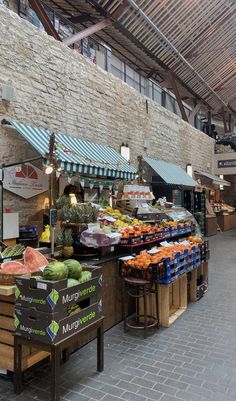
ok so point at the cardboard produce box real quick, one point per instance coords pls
(50, 328)
(54, 296)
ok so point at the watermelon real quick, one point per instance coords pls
(34, 260)
(71, 282)
(13, 267)
(85, 276)
(74, 268)
(55, 271)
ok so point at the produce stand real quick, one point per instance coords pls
(226, 221)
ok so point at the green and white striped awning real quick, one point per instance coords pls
(170, 173)
(77, 155)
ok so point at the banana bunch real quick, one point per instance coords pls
(136, 222)
(113, 212)
(45, 237)
(73, 309)
(120, 224)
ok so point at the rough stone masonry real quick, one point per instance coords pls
(58, 89)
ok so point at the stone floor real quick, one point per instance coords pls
(193, 360)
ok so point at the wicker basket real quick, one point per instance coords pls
(10, 279)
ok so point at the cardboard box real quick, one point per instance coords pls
(49, 328)
(54, 296)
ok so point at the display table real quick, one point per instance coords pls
(226, 222)
(55, 351)
(211, 226)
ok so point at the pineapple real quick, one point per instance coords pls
(68, 249)
(60, 237)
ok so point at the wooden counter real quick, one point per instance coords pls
(211, 226)
(226, 222)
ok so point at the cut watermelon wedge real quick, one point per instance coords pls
(13, 267)
(34, 261)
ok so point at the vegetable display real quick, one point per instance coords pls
(10, 251)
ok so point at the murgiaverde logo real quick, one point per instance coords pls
(31, 300)
(79, 322)
(30, 330)
(78, 294)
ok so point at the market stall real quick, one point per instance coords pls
(103, 215)
(225, 215)
(211, 184)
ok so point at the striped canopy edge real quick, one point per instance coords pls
(78, 155)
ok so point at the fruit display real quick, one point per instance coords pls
(80, 213)
(113, 212)
(55, 271)
(74, 268)
(34, 260)
(11, 251)
(165, 262)
(13, 267)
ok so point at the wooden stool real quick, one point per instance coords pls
(55, 351)
(139, 288)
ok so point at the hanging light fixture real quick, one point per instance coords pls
(221, 186)
(125, 151)
(49, 169)
(189, 169)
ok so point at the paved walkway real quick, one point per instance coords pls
(193, 360)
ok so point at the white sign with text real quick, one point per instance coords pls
(25, 180)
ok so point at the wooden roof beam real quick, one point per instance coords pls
(97, 27)
(38, 8)
(194, 112)
(177, 95)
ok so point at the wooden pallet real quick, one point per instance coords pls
(30, 355)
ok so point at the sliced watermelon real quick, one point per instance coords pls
(34, 260)
(13, 267)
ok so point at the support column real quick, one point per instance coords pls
(224, 120)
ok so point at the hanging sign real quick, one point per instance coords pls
(101, 185)
(82, 182)
(26, 181)
(226, 163)
(91, 184)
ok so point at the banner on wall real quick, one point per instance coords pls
(25, 180)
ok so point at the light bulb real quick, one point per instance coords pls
(49, 170)
(73, 200)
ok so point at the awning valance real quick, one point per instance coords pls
(170, 173)
(77, 155)
(214, 178)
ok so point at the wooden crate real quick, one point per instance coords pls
(30, 355)
(202, 270)
(172, 300)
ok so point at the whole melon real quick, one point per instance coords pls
(85, 276)
(74, 268)
(55, 271)
(71, 282)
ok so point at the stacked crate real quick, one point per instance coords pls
(7, 328)
(49, 311)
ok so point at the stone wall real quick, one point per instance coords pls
(58, 89)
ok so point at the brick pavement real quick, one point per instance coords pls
(193, 360)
